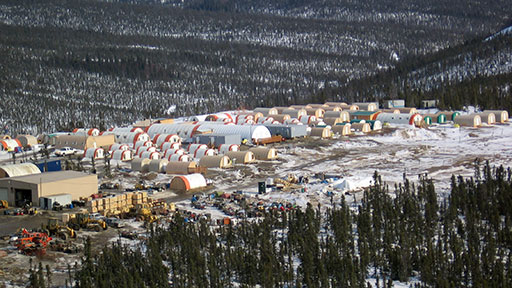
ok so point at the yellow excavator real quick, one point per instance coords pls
(55, 228)
(82, 220)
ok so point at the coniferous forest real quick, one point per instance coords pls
(406, 233)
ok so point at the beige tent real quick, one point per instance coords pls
(317, 112)
(266, 111)
(323, 132)
(368, 106)
(281, 117)
(15, 170)
(332, 121)
(407, 110)
(264, 153)
(488, 117)
(295, 113)
(140, 164)
(297, 106)
(244, 157)
(281, 109)
(84, 142)
(158, 165)
(501, 115)
(188, 182)
(332, 108)
(361, 127)
(343, 115)
(181, 168)
(394, 111)
(342, 130)
(335, 104)
(472, 120)
(27, 140)
(313, 105)
(217, 161)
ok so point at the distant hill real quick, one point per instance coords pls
(74, 63)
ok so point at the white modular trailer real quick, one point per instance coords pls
(402, 118)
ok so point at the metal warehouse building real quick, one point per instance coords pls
(29, 188)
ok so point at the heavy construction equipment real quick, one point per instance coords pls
(32, 243)
(57, 229)
(4, 204)
(82, 220)
(141, 212)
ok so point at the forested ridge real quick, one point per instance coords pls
(103, 63)
(409, 233)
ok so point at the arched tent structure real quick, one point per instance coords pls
(436, 118)
(281, 117)
(200, 153)
(119, 146)
(472, 120)
(501, 115)
(349, 107)
(394, 110)
(143, 149)
(332, 114)
(5, 137)
(280, 109)
(427, 119)
(307, 119)
(159, 139)
(361, 127)
(125, 130)
(217, 161)
(158, 165)
(191, 148)
(368, 106)
(488, 117)
(223, 117)
(140, 164)
(9, 144)
(150, 155)
(316, 105)
(183, 130)
(265, 119)
(27, 140)
(249, 132)
(335, 104)
(450, 115)
(292, 121)
(407, 110)
(223, 148)
(323, 132)
(94, 153)
(332, 108)
(317, 112)
(180, 168)
(295, 113)
(169, 145)
(244, 157)
(264, 153)
(142, 144)
(121, 155)
(342, 129)
(375, 125)
(177, 157)
(297, 106)
(266, 111)
(406, 119)
(87, 131)
(184, 183)
(169, 152)
(15, 170)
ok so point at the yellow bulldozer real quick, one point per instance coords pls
(142, 212)
(57, 229)
(82, 220)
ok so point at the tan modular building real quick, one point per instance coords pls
(83, 142)
(29, 188)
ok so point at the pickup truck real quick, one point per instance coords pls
(65, 151)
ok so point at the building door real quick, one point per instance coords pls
(22, 197)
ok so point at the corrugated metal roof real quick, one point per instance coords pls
(47, 177)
